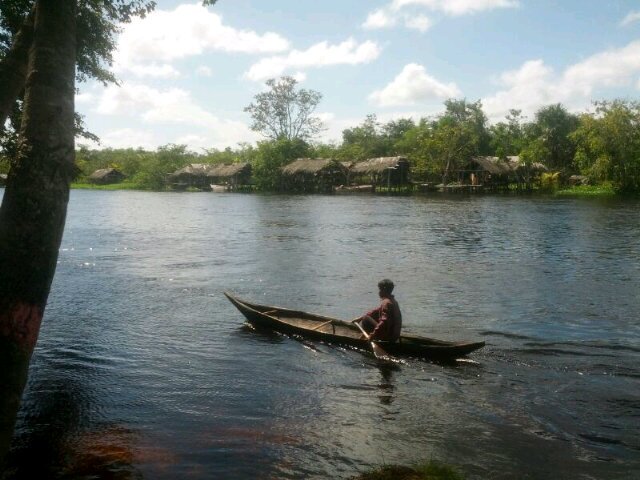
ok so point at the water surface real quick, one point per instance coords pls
(144, 370)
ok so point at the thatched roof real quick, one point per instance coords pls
(378, 165)
(104, 172)
(309, 165)
(494, 165)
(227, 171)
(195, 169)
(501, 166)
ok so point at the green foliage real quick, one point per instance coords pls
(551, 130)
(112, 186)
(155, 168)
(144, 170)
(97, 29)
(603, 190)
(284, 112)
(429, 471)
(271, 157)
(608, 144)
(550, 181)
(507, 138)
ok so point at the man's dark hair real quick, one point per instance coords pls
(386, 285)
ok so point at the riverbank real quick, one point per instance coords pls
(428, 471)
(604, 190)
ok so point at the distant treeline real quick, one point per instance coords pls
(603, 145)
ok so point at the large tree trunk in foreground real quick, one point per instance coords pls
(35, 200)
(13, 69)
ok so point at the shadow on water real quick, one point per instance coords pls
(54, 438)
(387, 385)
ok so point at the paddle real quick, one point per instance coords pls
(378, 351)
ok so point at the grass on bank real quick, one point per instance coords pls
(428, 471)
(109, 186)
(602, 190)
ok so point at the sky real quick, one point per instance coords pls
(186, 72)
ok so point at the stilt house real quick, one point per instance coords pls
(193, 175)
(106, 176)
(382, 172)
(313, 175)
(235, 176)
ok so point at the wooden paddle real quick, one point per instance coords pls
(378, 351)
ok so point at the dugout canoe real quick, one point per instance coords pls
(334, 330)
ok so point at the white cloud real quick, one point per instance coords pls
(389, 15)
(204, 71)
(630, 18)
(122, 138)
(189, 30)
(321, 54)
(170, 107)
(456, 7)
(411, 86)
(418, 22)
(154, 70)
(535, 84)
(84, 98)
(380, 18)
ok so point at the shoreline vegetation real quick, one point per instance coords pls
(587, 154)
(589, 191)
(432, 470)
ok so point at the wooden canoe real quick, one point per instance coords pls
(334, 330)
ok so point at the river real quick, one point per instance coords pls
(143, 369)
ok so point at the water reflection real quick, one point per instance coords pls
(54, 437)
(387, 386)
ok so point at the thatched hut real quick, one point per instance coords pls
(497, 172)
(389, 172)
(193, 175)
(313, 175)
(234, 176)
(106, 176)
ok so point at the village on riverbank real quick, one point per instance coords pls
(326, 175)
(593, 152)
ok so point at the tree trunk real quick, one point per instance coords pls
(13, 68)
(34, 207)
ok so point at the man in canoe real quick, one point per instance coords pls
(385, 321)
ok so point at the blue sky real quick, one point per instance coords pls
(186, 71)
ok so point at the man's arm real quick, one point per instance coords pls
(384, 312)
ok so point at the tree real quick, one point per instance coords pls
(608, 144)
(507, 138)
(284, 112)
(34, 205)
(450, 145)
(552, 126)
(96, 25)
(470, 114)
(441, 145)
(364, 141)
(271, 156)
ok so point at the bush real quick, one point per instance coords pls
(429, 471)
